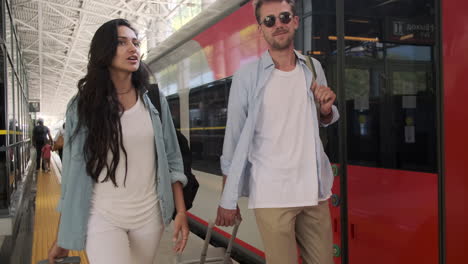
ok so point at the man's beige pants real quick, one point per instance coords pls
(310, 227)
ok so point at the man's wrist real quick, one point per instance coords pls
(325, 119)
(326, 115)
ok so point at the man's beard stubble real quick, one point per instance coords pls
(277, 45)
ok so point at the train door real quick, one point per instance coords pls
(390, 120)
(379, 58)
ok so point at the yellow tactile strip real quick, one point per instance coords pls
(46, 217)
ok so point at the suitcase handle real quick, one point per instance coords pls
(227, 255)
(63, 260)
(208, 238)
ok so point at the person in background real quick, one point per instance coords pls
(272, 149)
(122, 170)
(46, 153)
(40, 135)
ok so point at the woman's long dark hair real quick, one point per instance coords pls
(99, 109)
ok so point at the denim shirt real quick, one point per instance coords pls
(245, 100)
(77, 186)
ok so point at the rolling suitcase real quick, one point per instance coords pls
(204, 259)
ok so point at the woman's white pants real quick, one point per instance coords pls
(107, 243)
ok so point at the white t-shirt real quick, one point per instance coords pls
(132, 205)
(284, 162)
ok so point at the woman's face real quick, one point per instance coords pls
(127, 55)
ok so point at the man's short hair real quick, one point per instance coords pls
(258, 4)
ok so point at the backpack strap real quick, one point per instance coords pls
(311, 66)
(322, 132)
(153, 94)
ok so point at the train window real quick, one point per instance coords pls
(362, 104)
(174, 106)
(390, 97)
(208, 116)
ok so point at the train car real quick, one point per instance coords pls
(397, 149)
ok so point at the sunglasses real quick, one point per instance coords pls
(284, 17)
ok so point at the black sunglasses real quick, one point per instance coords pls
(284, 17)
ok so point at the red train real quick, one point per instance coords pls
(398, 151)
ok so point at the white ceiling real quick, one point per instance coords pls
(55, 36)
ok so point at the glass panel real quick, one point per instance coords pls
(1, 20)
(3, 107)
(307, 33)
(17, 65)
(12, 167)
(207, 113)
(18, 103)
(14, 47)
(7, 32)
(10, 102)
(307, 6)
(400, 37)
(3, 126)
(174, 106)
(414, 106)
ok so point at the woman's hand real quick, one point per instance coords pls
(56, 252)
(181, 232)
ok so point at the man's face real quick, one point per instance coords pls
(280, 35)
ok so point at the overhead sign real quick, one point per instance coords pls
(34, 107)
(411, 31)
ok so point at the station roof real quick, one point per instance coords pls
(55, 36)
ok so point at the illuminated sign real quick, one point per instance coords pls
(34, 107)
(411, 31)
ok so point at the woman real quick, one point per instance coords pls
(122, 169)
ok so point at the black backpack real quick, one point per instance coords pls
(190, 190)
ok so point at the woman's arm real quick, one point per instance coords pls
(181, 229)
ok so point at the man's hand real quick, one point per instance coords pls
(325, 97)
(227, 217)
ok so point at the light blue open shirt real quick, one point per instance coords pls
(245, 99)
(77, 186)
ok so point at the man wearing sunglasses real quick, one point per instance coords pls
(272, 150)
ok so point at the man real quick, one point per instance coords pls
(39, 138)
(272, 150)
